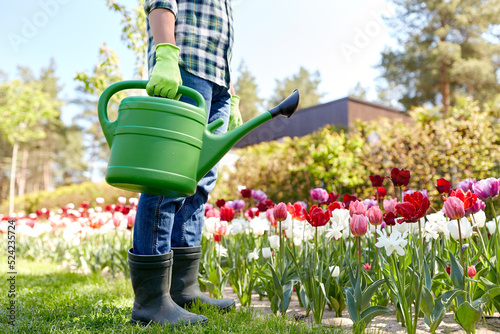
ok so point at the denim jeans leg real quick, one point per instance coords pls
(188, 221)
(153, 224)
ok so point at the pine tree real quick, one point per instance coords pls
(448, 49)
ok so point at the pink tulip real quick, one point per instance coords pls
(454, 208)
(359, 225)
(220, 227)
(375, 215)
(471, 271)
(390, 205)
(270, 217)
(357, 208)
(280, 212)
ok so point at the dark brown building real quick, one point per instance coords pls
(341, 112)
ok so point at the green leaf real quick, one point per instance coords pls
(467, 317)
(457, 273)
(351, 307)
(428, 280)
(373, 311)
(368, 293)
(278, 288)
(427, 300)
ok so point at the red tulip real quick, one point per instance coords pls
(367, 266)
(448, 269)
(332, 197)
(280, 212)
(390, 218)
(400, 177)
(252, 213)
(471, 271)
(220, 203)
(375, 215)
(381, 192)
(454, 208)
(377, 180)
(359, 225)
(226, 214)
(443, 186)
(264, 205)
(246, 193)
(334, 206)
(316, 216)
(413, 207)
(468, 198)
(296, 211)
(348, 199)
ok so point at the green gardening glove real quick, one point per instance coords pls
(235, 116)
(166, 76)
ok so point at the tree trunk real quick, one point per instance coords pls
(46, 175)
(445, 88)
(21, 180)
(13, 178)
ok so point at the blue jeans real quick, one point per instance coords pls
(165, 222)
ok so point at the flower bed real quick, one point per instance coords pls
(361, 257)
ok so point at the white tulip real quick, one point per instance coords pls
(259, 226)
(266, 252)
(465, 227)
(274, 241)
(492, 226)
(479, 219)
(209, 224)
(335, 270)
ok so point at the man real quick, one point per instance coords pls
(189, 44)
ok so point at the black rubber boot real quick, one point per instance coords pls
(151, 278)
(185, 288)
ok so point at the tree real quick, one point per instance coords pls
(25, 108)
(307, 84)
(359, 91)
(448, 49)
(106, 72)
(246, 89)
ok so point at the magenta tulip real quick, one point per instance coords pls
(454, 208)
(359, 225)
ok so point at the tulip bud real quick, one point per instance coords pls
(375, 215)
(274, 241)
(280, 212)
(359, 225)
(454, 208)
(357, 208)
(266, 252)
(471, 271)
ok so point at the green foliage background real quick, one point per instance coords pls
(460, 145)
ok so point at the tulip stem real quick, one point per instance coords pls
(481, 237)
(461, 247)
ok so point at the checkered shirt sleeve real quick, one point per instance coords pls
(203, 32)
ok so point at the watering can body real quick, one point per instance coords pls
(163, 147)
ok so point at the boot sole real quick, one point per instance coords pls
(204, 322)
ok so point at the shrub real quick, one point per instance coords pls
(460, 145)
(60, 197)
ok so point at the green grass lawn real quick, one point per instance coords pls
(52, 300)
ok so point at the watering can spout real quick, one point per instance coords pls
(216, 146)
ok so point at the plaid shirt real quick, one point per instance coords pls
(204, 34)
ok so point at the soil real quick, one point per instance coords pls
(380, 324)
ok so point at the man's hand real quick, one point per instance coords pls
(166, 76)
(235, 116)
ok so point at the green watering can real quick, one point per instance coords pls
(164, 147)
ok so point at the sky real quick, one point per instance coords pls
(342, 40)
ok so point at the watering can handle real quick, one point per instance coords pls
(102, 108)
